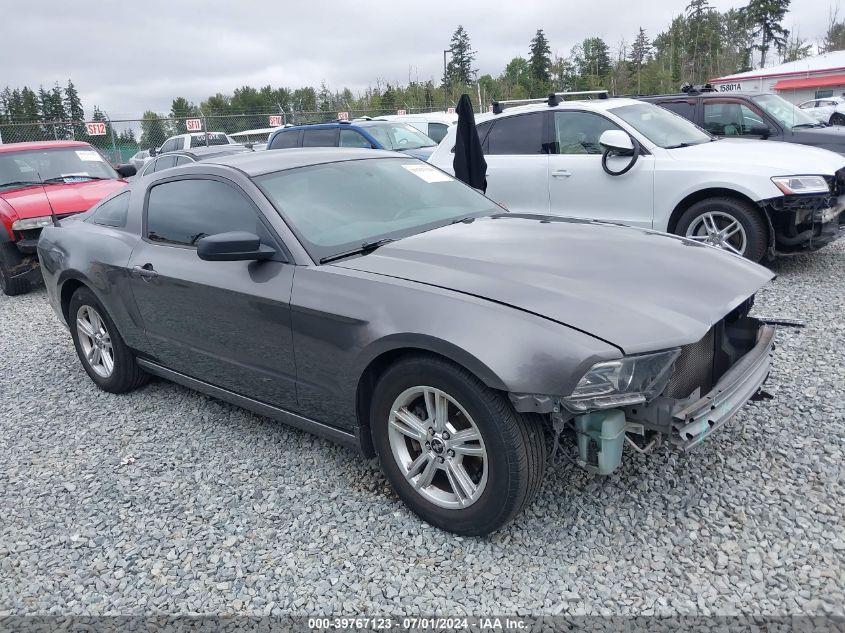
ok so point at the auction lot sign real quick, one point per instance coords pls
(95, 128)
(193, 125)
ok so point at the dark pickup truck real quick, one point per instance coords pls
(751, 115)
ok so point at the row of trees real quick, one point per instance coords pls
(697, 45)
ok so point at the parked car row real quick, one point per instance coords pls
(626, 161)
(340, 283)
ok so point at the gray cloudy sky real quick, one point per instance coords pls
(130, 56)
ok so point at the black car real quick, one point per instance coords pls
(185, 156)
(751, 115)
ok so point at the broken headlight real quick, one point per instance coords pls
(626, 381)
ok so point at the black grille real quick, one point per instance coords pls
(693, 369)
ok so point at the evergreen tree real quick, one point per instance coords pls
(181, 109)
(764, 20)
(459, 71)
(593, 62)
(639, 55)
(153, 130)
(74, 110)
(540, 60)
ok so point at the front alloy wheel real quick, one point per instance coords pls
(719, 229)
(454, 449)
(438, 447)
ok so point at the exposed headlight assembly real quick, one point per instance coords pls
(626, 381)
(791, 185)
(31, 223)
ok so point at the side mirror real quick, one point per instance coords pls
(234, 246)
(760, 130)
(616, 141)
(153, 152)
(126, 170)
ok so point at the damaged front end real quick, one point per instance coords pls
(806, 222)
(679, 396)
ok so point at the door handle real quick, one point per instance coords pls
(146, 271)
(561, 173)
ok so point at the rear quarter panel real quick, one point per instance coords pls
(96, 256)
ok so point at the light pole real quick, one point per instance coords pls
(445, 81)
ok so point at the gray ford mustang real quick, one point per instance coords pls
(370, 298)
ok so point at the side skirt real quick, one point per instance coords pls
(256, 406)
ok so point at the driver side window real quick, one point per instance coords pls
(182, 212)
(579, 132)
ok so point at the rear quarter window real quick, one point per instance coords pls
(112, 212)
(286, 140)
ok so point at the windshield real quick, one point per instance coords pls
(64, 165)
(662, 127)
(399, 136)
(784, 112)
(337, 207)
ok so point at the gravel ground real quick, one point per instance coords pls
(166, 501)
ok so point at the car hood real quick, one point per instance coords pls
(783, 159)
(832, 138)
(637, 289)
(422, 153)
(31, 201)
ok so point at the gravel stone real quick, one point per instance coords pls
(166, 501)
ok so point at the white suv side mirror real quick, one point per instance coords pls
(616, 140)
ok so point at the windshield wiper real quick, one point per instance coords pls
(680, 145)
(73, 177)
(366, 247)
(807, 125)
(17, 183)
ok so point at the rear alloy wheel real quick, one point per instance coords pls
(104, 355)
(837, 118)
(454, 450)
(10, 260)
(728, 224)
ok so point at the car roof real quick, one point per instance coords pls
(211, 150)
(581, 104)
(707, 95)
(258, 163)
(35, 145)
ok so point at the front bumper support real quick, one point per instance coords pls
(695, 421)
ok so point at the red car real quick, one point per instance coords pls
(69, 176)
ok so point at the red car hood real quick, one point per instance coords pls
(31, 202)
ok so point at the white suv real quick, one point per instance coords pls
(830, 110)
(195, 139)
(631, 162)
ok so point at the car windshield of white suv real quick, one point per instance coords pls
(53, 166)
(335, 208)
(399, 137)
(784, 112)
(662, 127)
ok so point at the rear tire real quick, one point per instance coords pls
(473, 486)
(95, 338)
(750, 239)
(11, 258)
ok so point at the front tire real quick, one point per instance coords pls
(837, 118)
(454, 450)
(104, 355)
(10, 259)
(727, 223)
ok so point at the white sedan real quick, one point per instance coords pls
(830, 110)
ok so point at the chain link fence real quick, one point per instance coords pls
(119, 139)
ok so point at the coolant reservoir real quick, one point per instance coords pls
(601, 436)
